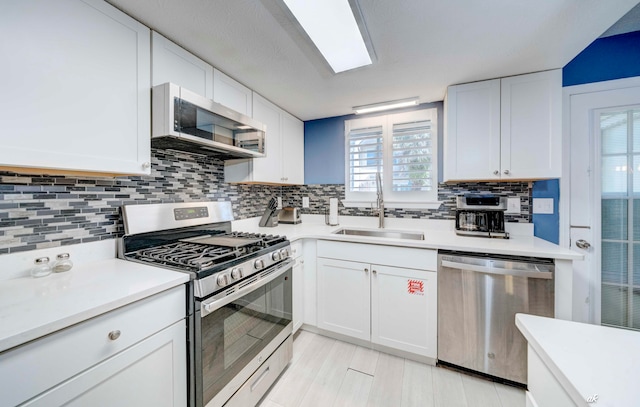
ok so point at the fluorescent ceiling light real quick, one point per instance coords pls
(394, 104)
(333, 29)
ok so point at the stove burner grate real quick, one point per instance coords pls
(193, 256)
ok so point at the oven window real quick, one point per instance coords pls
(234, 334)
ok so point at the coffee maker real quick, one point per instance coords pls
(481, 215)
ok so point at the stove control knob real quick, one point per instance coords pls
(222, 280)
(284, 253)
(275, 256)
(236, 273)
(258, 264)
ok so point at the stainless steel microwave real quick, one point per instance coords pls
(185, 121)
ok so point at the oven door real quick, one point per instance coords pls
(238, 329)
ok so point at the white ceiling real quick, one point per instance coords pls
(421, 46)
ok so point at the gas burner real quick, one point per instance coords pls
(193, 256)
(207, 251)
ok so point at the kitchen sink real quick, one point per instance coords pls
(389, 234)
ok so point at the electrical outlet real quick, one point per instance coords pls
(305, 201)
(513, 205)
(543, 206)
(279, 202)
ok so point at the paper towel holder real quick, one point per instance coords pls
(327, 217)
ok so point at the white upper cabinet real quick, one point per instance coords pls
(531, 125)
(76, 94)
(232, 93)
(284, 159)
(505, 129)
(171, 63)
(472, 138)
(292, 149)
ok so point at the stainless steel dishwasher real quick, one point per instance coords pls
(478, 297)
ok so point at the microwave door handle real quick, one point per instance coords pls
(212, 304)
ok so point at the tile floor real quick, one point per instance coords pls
(327, 372)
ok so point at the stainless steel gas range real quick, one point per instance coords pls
(239, 302)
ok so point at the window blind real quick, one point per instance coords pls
(412, 156)
(365, 158)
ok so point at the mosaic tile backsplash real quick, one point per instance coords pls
(47, 211)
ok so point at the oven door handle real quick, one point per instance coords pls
(218, 301)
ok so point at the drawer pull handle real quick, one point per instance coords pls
(113, 335)
(259, 379)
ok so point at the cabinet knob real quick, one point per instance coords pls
(374, 272)
(496, 172)
(366, 270)
(113, 335)
(146, 165)
(506, 172)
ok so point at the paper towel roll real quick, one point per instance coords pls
(333, 211)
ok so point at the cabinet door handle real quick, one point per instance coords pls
(366, 270)
(146, 165)
(113, 335)
(374, 272)
(506, 172)
(496, 172)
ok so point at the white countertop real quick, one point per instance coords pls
(587, 359)
(438, 235)
(33, 307)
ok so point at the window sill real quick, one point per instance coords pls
(392, 205)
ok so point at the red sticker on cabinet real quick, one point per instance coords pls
(415, 287)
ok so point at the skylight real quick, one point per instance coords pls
(333, 29)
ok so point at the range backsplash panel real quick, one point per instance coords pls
(48, 211)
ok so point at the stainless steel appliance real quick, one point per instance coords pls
(185, 121)
(481, 215)
(289, 215)
(478, 297)
(239, 302)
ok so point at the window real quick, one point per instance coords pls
(402, 147)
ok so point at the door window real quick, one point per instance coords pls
(620, 216)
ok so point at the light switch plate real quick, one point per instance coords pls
(513, 205)
(279, 202)
(543, 206)
(305, 201)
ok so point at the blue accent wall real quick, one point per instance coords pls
(605, 59)
(324, 150)
(547, 226)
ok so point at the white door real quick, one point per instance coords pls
(404, 309)
(344, 298)
(604, 221)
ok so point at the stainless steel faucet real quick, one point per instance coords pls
(379, 210)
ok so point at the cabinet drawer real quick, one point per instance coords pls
(396, 256)
(41, 364)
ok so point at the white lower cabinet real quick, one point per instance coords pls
(344, 297)
(298, 284)
(132, 356)
(544, 390)
(404, 309)
(391, 306)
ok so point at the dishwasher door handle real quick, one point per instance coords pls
(498, 270)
